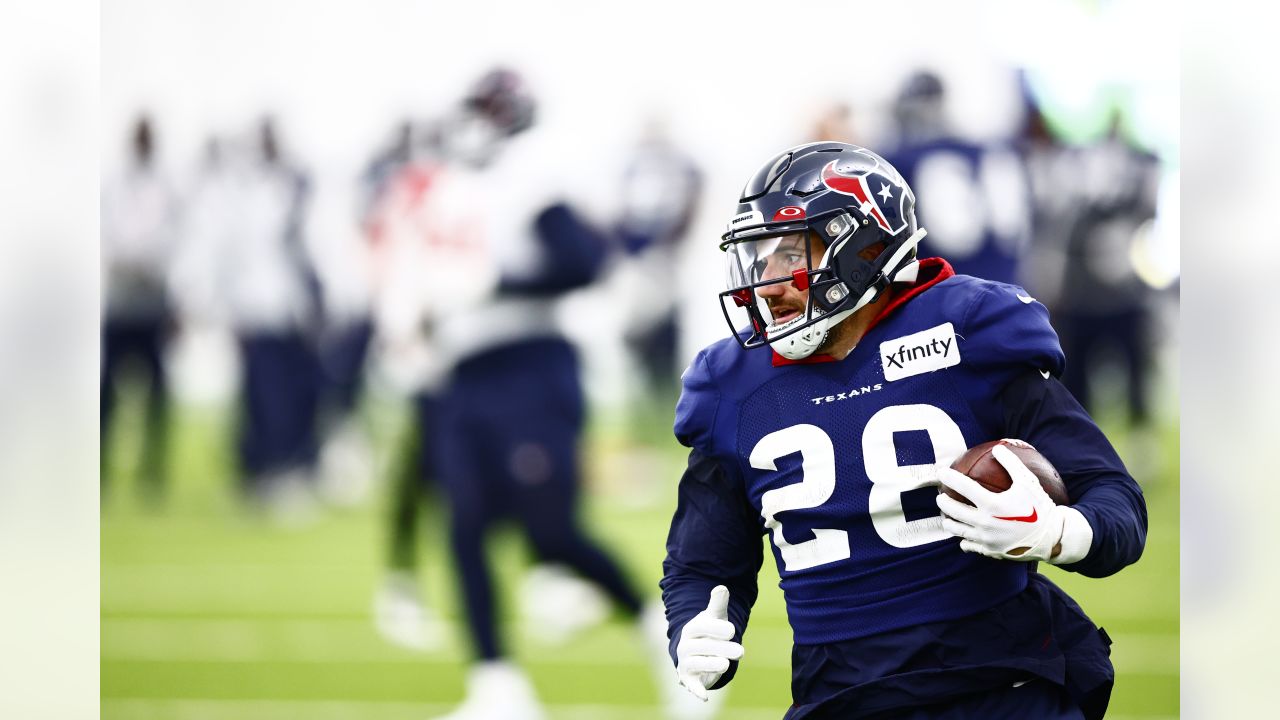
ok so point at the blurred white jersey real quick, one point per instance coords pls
(431, 258)
(450, 237)
(248, 265)
(139, 232)
(511, 190)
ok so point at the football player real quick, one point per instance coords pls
(139, 230)
(395, 198)
(977, 194)
(1106, 305)
(828, 423)
(510, 406)
(269, 290)
(245, 264)
(661, 191)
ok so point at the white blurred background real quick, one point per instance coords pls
(731, 86)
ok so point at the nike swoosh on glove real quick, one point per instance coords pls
(706, 645)
(1022, 523)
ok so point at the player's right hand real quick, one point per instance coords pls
(706, 645)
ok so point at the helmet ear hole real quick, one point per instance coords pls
(872, 251)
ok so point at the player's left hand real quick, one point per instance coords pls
(1022, 523)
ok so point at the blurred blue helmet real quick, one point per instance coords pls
(851, 199)
(918, 107)
(503, 98)
(921, 85)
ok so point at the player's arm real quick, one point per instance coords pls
(715, 540)
(1013, 347)
(1044, 413)
(572, 254)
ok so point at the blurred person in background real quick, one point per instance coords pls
(510, 410)
(661, 192)
(1054, 188)
(834, 122)
(1094, 207)
(265, 287)
(1103, 307)
(205, 357)
(139, 238)
(413, 218)
(346, 458)
(377, 177)
(401, 612)
(208, 224)
(977, 201)
(859, 374)
(400, 201)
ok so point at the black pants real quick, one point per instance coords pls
(140, 342)
(1085, 336)
(507, 444)
(412, 480)
(342, 358)
(280, 392)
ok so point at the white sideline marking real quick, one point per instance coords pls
(217, 709)
(353, 642)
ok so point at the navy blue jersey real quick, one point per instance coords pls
(976, 203)
(836, 463)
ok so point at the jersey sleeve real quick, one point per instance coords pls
(571, 255)
(1006, 331)
(715, 539)
(1043, 412)
(698, 404)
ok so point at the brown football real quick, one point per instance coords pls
(978, 463)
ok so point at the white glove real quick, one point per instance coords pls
(706, 645)
(1022, 523)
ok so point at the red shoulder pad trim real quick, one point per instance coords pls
(932, 271)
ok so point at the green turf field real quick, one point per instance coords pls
(209, 614)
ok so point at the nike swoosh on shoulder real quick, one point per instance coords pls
(1024, 518)
(1026, 299)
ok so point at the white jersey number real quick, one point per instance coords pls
(818, 467)
(967, 201)
(888, 481)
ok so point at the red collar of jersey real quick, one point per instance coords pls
(932, 271)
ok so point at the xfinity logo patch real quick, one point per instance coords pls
(921, 352)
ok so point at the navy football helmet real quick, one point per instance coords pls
(502, 96)
(496, 108)
(918, 110)
(849, 198)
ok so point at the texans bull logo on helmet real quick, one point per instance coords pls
(874, 186)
